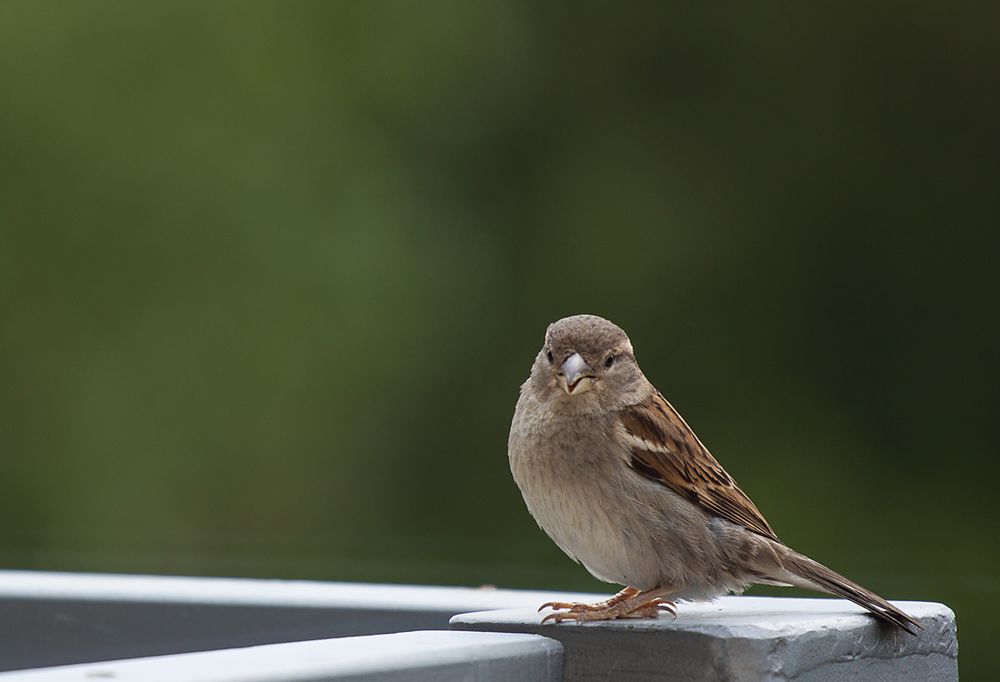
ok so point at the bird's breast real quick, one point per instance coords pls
(572, 486)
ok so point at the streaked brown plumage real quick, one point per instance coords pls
(621, 483)
(685, 465)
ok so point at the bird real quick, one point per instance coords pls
(617, 479)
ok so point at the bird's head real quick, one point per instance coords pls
(586, 363)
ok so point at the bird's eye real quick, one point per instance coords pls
(549, 356)
(610, 361)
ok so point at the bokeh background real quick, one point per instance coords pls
(272, 273)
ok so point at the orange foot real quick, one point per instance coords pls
(599, 606)
(629, 603)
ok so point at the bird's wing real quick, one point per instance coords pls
(663, 448)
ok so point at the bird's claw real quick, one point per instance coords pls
(558, 617)
(561, 605)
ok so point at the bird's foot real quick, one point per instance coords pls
(653, 609)
(629, 603)
(576, 606)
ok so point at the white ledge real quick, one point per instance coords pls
(256, 592)
(747, 638)
(418, 656)
(56, 619)
(49, 619)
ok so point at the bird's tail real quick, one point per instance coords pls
(804, 572)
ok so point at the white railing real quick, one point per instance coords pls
(146, 628)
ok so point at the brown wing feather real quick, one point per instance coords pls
(676, 458)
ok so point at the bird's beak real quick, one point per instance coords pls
(575, 375)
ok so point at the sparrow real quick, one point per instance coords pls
(620, 482)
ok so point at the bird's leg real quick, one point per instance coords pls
(582, 606)
(634, 604)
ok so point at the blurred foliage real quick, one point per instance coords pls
(271, 274)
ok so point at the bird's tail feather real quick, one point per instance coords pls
(814, 575)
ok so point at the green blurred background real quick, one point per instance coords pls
(272, 273)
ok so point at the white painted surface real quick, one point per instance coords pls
(417, 656)
(252, 592)
(748, 638)
(49, 619)
(736, 638)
